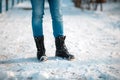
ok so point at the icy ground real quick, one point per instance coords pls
(92, 36)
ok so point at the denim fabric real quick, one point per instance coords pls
(37, 17)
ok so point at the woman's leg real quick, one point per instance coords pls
(57, 22)
(37, 17)
(61, 49)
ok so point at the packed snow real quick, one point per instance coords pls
(92, 36)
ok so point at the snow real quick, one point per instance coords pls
(92, 36)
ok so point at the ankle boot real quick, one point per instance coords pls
(40, 48)
(61, 49)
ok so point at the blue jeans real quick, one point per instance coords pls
(37, 17)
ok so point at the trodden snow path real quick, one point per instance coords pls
(93, 37)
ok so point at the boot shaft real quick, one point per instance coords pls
(60, 42)
(39, 43)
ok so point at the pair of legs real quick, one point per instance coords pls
(37, 17)
(57, 24)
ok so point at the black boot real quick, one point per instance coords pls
(40, 48)
(61, 49)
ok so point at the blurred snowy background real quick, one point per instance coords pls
(93, 36)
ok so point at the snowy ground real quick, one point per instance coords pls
(92, 36)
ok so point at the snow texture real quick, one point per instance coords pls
(92, 36)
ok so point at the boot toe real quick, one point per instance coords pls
(66, 56)
(43, 58)
(71, 57)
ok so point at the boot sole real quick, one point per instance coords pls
(66, 58)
